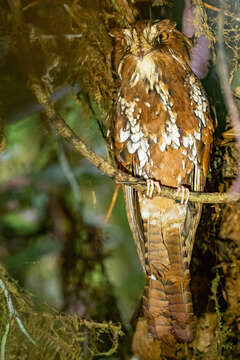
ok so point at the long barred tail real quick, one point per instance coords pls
(169, 230)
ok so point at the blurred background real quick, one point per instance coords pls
(54, 239)
(53, 205)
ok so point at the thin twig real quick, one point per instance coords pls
(211, 7)
(227, 92)
(32, 4)
(4, 340)
(214, 8)
(71, 13)
(106, 168)
(114, 328)
(66, 36)
(12, 314)
(66, 168)
(114, 198)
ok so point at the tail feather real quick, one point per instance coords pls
(167, 302)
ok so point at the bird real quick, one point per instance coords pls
(162, 131)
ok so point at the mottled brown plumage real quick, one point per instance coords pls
(162, 131)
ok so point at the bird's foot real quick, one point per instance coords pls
(151, 184)
(185, 191)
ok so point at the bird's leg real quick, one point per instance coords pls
(151, 184)
(183, 190)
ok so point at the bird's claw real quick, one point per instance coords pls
(151, 184)
(184, 190)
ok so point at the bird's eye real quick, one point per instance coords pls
(162, 37)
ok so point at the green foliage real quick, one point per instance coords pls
(57, 335)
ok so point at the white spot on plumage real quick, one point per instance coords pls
(127, 33)
(153, 277)
(136, 137)
(197, 112)
(173, 116)
(144, 145)
(162, 90)
(195, 97)
(127, 108)
(172, 134)
(142, 164)
(134, 79)
(146, 69)
(167, 139)
(147, 104)
(139, 172)
(177, 59)
(150, 32)
(202, 117)
(124, 135)
(194, 150)
(198, 97)
(133, 133)
(132, 147)
(179, 179)
(120, 69)
(133, 121)
(175, 146)
(204, 105)
(163, 146)
(142, 156)
(157, 88)
(197, 135)
(135, 129)
(187, 141)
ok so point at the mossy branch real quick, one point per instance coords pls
(106, 168)
(13, 314)
(128, 12)
(227, 91)
(52, 330)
